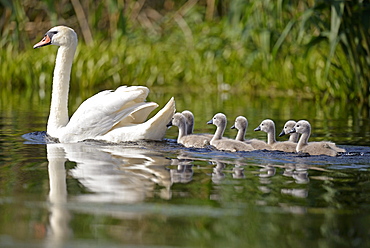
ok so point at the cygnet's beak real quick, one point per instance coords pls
(282, 133)
(257, 128)
(169, 124)
(293, 130)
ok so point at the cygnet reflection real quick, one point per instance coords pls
(184, 171)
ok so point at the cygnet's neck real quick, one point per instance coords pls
(182, 130)
(303, 141)
(190, 125)
(294, 137)
(58, 116)
(271, 135)
(219, 131)
(241, 134)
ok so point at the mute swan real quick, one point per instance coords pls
(313, 148)
(113, 116)
(288, 126)
(188, 140)
(268, 126)
(241, 124)
(219, 120)
(189, 117)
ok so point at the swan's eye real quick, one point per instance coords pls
(54, 32)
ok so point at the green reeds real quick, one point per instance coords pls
(260, 47)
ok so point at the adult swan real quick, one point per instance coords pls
(112, 116)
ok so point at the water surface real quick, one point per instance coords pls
(148, 194)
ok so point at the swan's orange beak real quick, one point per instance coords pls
(44, 42)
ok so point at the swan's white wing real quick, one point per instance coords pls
(153, 129)
(100, 113)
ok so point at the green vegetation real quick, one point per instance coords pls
(312, 49)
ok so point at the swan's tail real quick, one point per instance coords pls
(157, 125)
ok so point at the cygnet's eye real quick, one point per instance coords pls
(297, 125)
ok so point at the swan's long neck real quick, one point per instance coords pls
(303, 141)
(241, 134)
(58, 116)
(271, 136)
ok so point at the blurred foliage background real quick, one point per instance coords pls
(309, 49)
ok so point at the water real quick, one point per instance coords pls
(160, 194)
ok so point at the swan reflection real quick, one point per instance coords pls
(115, 173)
(109, 173)
(59, 214)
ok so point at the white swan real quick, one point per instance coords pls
(313, 148)
(268, 126)
(188, 140)
(288, 126)
(241, 124)
(113, 116)
(225, 144)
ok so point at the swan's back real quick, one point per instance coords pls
(153, 129)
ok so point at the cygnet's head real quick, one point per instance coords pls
(177, 120)
(266, 126)
(301, 127)
(287, 127)
(241, 123)
(218, 120)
